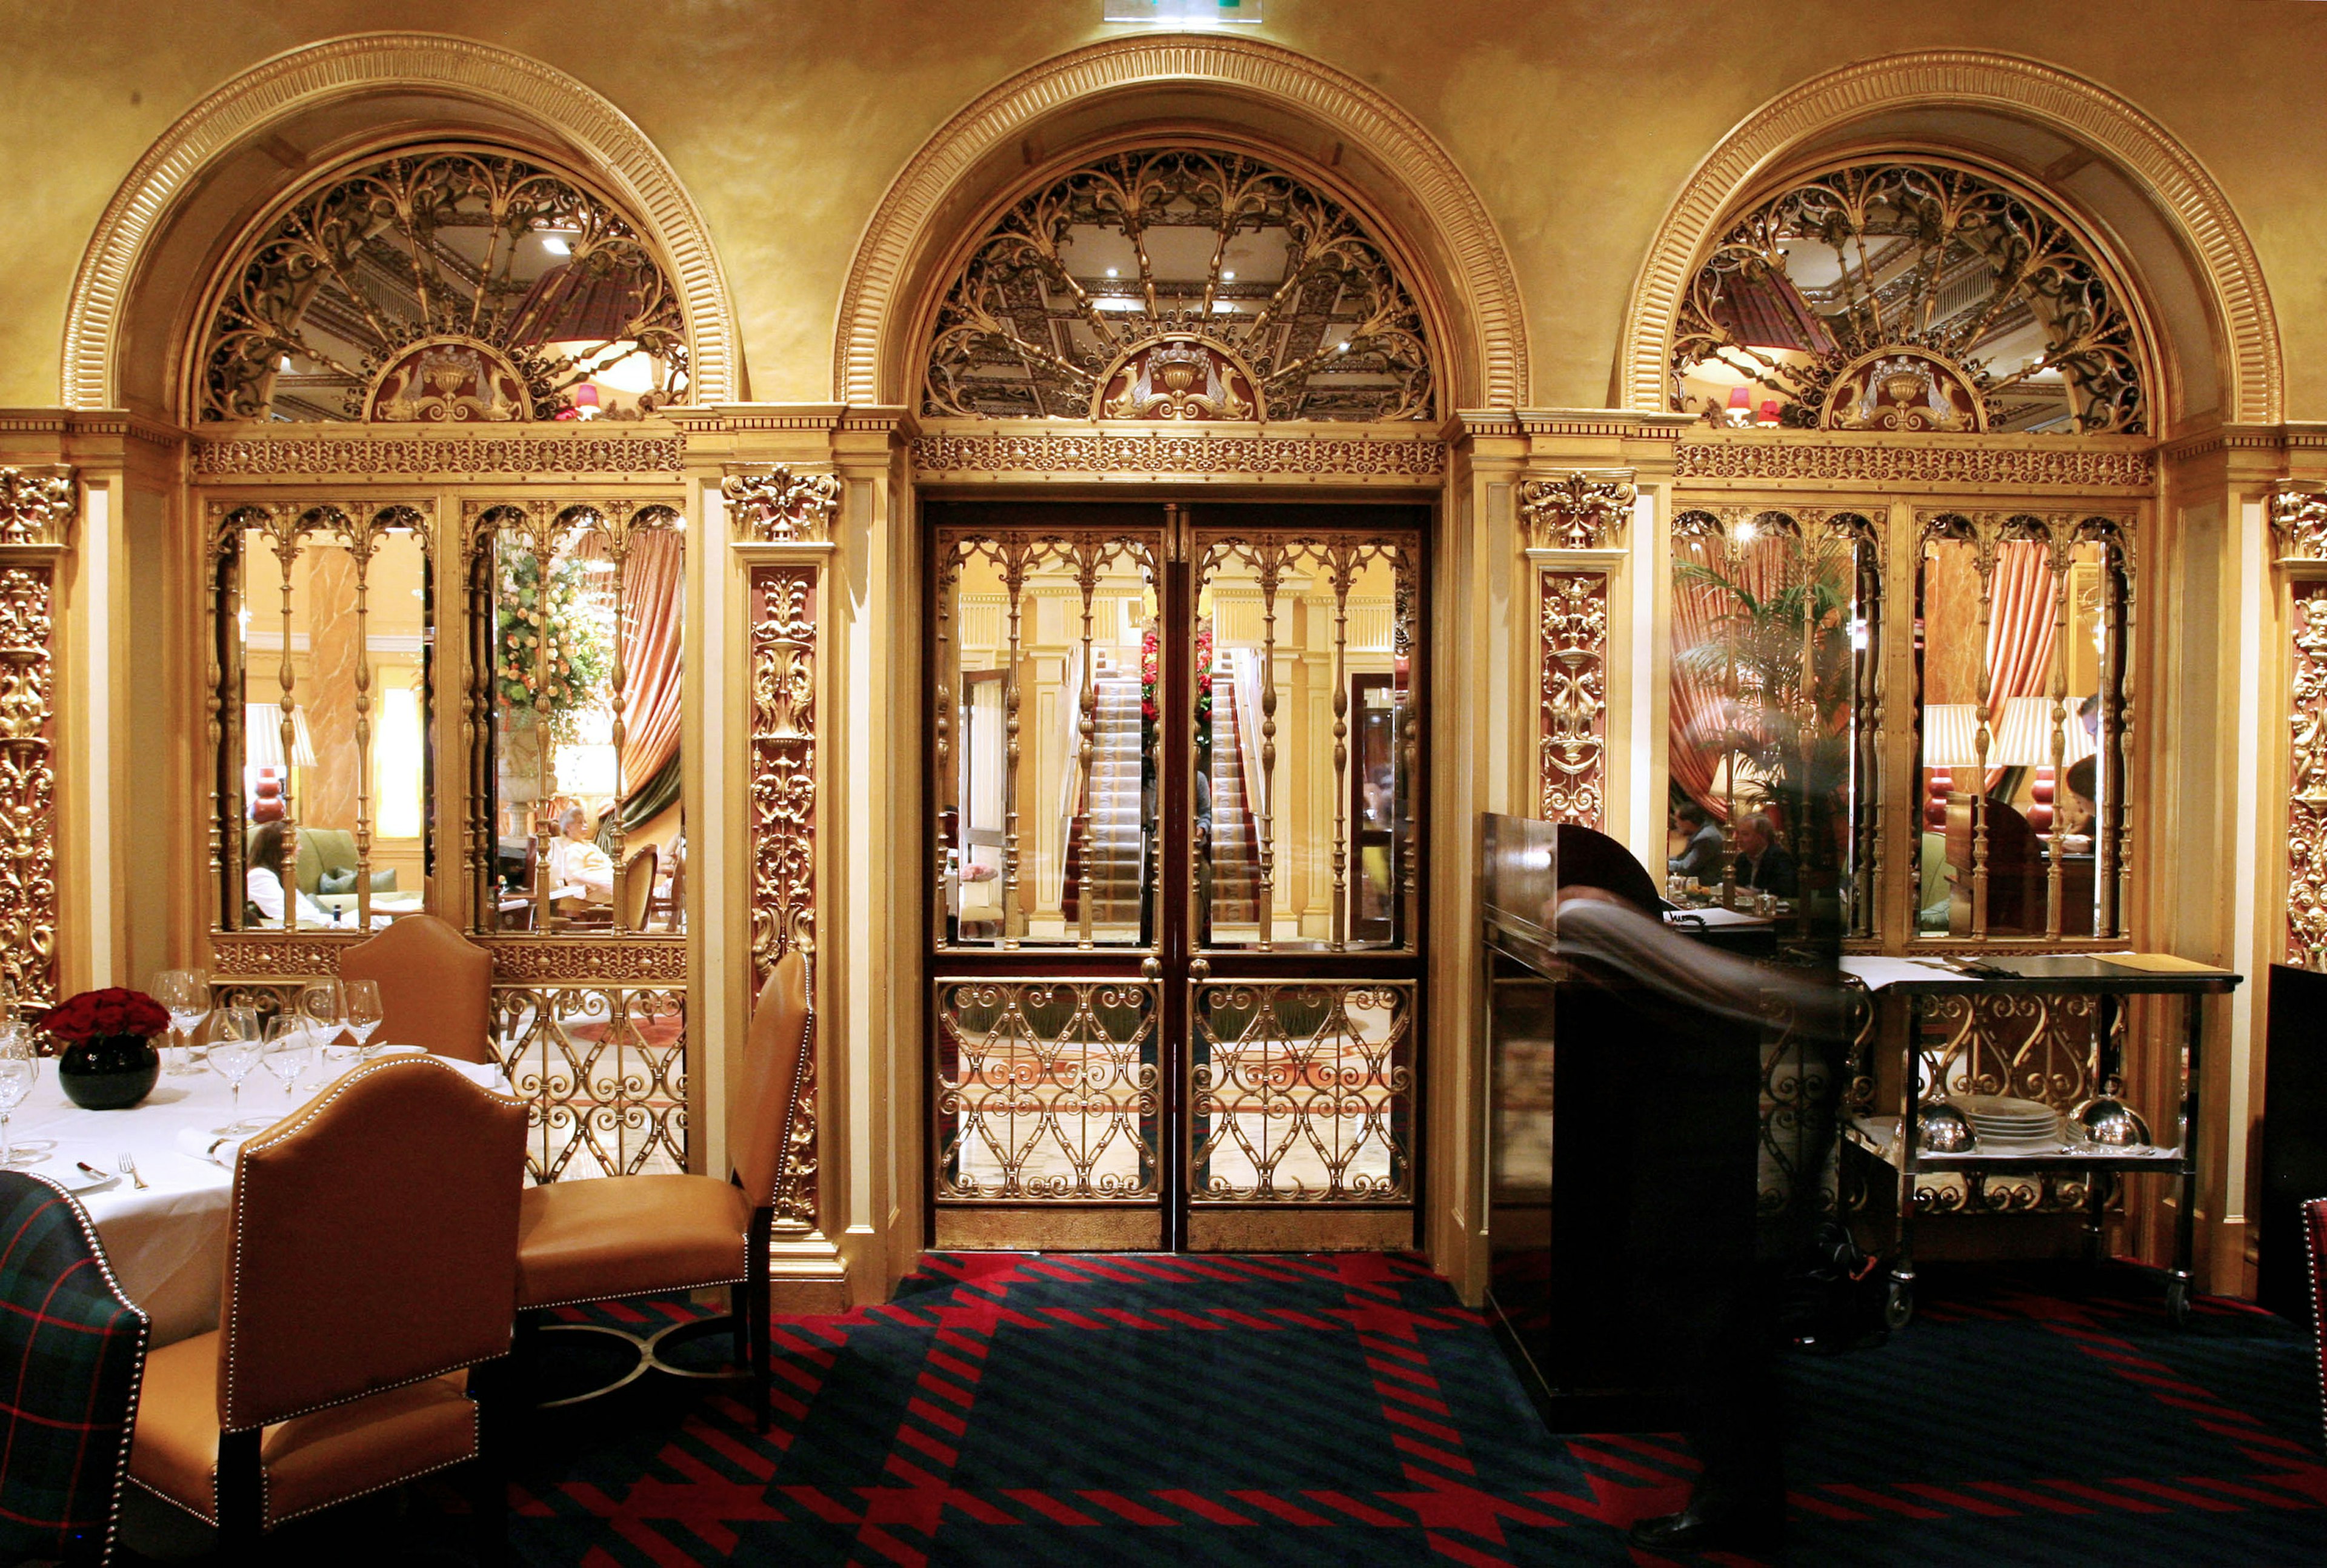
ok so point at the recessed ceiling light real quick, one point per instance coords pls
(1110, 272)
(1344, 348)
(1227, 277)
(555, 245)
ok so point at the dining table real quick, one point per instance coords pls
(164, 1227)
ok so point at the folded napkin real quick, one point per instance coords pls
(486, 1073)
(217, 1148)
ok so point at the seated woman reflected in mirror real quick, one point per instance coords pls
(576, 861)
(262, 887)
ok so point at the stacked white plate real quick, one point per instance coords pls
(2005, 1124)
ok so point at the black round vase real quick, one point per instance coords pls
(108, 1073)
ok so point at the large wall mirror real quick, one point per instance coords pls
(322, 643)
(2023, 659)
(1776, 618)
(578, 618)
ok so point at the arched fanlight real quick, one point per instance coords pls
(1899, 296)
(457, 285)
(1179, 285)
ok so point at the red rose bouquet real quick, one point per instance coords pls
(100, 1015)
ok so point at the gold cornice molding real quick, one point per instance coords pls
(2104, 464)
(404, 452)
(306, 77)
(897, 230)
(960, 451)
(2007, 84)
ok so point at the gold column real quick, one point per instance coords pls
(37, 510)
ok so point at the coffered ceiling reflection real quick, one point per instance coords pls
(1179, 285)
(1906, 296)
(450, 285)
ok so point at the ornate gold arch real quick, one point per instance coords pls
(2006, 84)
(1485, 286)
(303, 79)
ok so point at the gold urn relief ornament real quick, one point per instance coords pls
(1177, 378)
(455, 380)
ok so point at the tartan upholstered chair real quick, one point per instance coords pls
(2314, 1235)
(72, 1347)
(648, 1234)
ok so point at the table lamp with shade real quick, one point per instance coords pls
(2023, 739)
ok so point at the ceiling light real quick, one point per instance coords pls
(1223, 308)
(1344, 348)
(555, 244)
(1110, 272)
(1227, 277)
(284, 363)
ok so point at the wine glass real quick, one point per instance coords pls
(236, 1051)
(186, 993)
(290, 1052)
(18, 1068)
(326, 1003)
(360, 1007)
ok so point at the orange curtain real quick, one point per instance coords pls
(654, 619)
(2023, 619)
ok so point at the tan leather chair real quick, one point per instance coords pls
(371, 1261)
(633, 1236)
(435, 986)
(633, 894)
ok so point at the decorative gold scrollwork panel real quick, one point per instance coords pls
(1047, 1090)
(1301, 1092)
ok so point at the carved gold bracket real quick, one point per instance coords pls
(38, 507)
(783, 629)
(775, 506)
(1583, 511)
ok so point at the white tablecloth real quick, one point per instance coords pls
(166, 1242)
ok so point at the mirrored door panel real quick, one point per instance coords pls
(1305, 722)
(1176, 758)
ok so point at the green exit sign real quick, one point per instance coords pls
(1185, 13)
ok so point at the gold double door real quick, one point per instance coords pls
(1177, 755)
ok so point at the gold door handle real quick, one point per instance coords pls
(1198, 968)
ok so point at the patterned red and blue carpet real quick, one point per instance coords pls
(1292, 1410)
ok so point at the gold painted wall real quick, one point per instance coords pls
(1577, 121)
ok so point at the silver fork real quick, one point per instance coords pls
(129, 1168)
